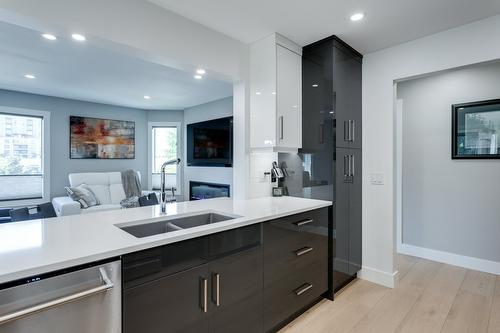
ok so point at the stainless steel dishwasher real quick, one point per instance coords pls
(86, 299)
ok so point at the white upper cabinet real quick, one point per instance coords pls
(275, 95)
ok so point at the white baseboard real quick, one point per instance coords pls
(476, 264)
(379, 277)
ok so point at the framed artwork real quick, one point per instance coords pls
(94, 138)
(476, 130)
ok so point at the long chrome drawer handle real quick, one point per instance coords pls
(60, 301)
(303, 222)
(303, 251)
(204, 305)
(302, 289)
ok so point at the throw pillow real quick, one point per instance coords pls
(83, 195)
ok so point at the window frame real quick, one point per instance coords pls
(45, 115)
(178, 125)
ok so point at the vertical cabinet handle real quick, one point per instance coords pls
(216, 288)
(352, 167)
(351, 132)
(282, 135)
(346, 167)
(346, 131)
(204, 295)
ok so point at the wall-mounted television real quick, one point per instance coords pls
(210, 143)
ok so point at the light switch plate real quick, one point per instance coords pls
(377, 179)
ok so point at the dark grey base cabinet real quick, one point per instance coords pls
(251, 279)
(295, 265)
(206, 284)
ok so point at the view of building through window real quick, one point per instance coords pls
(164, 148)
(21, 156)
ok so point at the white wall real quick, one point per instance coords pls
(448, 205)
(468, 44)
(217, 109)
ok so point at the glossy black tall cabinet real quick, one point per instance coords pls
(329, 164)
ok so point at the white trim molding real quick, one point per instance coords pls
(45, 156)
(473, 263)
(180, 148)
(385, 279)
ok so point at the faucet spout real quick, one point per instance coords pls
(163, 193)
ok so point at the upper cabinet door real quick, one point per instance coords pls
(275, 95)
(317, 94)
(355, 66)
(342, 97)
(263, 94)
(289, 98)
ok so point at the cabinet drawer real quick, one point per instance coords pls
(290, 295)
(290, 245)
(151, 264)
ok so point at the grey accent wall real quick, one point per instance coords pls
(61, 109)
(448, 205)
(217, 109)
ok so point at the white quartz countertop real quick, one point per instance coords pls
(39, 246)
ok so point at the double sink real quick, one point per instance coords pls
(174, 224)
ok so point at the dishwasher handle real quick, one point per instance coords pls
(105, 286)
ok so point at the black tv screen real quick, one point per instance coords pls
(210, 143)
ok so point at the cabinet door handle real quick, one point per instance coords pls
(352, 166)
(303, 251)
(351, 132)
(346, 131)
(302, 289)
(282, 135)
(346, 168)
(303, 222)
(204, 297)
(216, 287)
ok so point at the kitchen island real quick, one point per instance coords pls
(266, 245)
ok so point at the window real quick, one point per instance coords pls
(164, 139)
(24, 158)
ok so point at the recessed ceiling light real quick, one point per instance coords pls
(78, 37)
(315, 85)
(200, 71)
(147, 97)
(258, 93)
(357, 17)
(29, 76)
(49, 36)
(198, 77)
(273, 93)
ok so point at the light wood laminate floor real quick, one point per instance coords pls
(431, 297)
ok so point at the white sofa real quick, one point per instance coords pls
(107, 187)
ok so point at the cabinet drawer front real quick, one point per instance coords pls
(235, 240)
(292, 243)
(290, 295)
(151, 264)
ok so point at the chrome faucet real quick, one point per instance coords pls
(163, 193)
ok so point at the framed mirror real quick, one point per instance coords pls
(476, 130)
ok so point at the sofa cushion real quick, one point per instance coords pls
(101, 192)
(84, 195)
(100, 208)
(89, 178)
(117, 193)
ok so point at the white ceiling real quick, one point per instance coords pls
(83, 71)
(386, 23)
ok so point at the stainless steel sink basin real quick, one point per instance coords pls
(174, 224)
